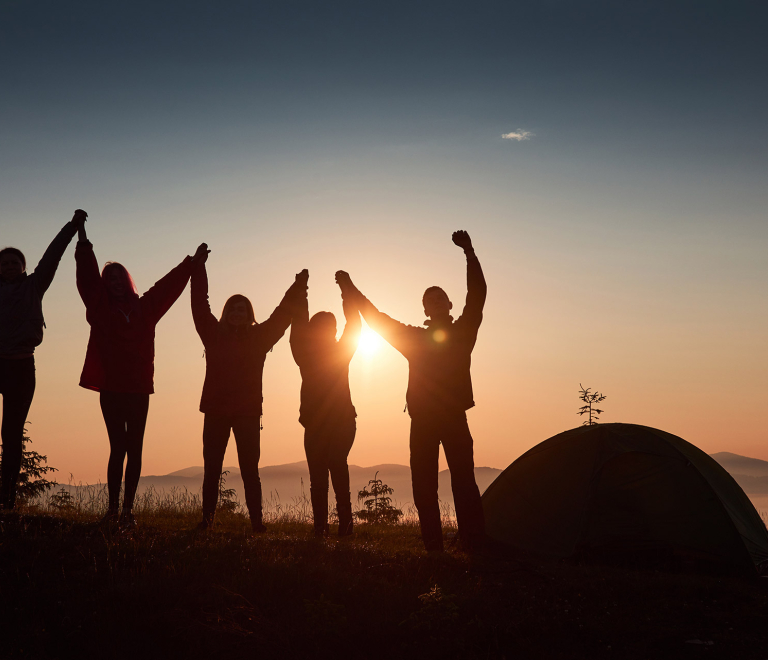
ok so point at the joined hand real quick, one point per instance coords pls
(201, 254)
(79, 217)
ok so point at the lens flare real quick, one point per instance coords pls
(370, 342)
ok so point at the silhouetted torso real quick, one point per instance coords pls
(439, 356)
(324, 370)
(21, 309)
(121, 347)
(234, 359)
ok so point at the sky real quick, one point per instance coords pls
(608, 159)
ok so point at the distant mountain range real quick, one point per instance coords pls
(284, 483)
(750, 473)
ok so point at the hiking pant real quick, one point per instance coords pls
(216, 430)
(17, 385)
(452, 430)
(125, 414)
(327, 446)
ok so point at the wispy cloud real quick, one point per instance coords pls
(519, 135)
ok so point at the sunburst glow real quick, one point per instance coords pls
(370, 343)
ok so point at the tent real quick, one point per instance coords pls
(624, 488)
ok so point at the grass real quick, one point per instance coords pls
(70, 588)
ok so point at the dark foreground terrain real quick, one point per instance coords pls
(70, 589)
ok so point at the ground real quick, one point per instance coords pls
(70, 588)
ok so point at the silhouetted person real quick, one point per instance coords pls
(21, 331)
(235, 350)
(439, 393)
(119, 361)
(326, 412)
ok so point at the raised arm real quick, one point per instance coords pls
(300, 320)
(89, 283)
(46, 268)
(352, 328)
(159, 299)
(399, 335)
(476, 286)
(276, 325)
(205, 322)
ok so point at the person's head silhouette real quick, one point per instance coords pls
(436, 303)
(12, 263)
(118, 281)
(237, 312)
(322, 326)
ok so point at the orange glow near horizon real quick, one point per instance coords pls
(655, 351)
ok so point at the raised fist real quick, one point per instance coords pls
(462, 239)
(303, 277)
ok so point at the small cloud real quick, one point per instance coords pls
(519, 135)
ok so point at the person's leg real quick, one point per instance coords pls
(340, 446)
(248, 438)
(316, 448)
(216, 429)
(112, 409)
(425, 449)
(17, 384)
(137, 407)
(458, 447)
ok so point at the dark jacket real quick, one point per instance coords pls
(21, 301)
(234, 360)
(324, 367)
(121, 347)
(439, 356)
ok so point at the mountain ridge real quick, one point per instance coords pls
(287, 481)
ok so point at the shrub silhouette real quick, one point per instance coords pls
(62, 500)
(590, 399)
(377, 503)
(227, 496)
(32, 482)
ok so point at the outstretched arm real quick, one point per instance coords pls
(476, 286)
(205, 322)
(276, 325)
(353, 325)
(159, 299)
(89, 284)
(300, 320)
(397, 334)
(46, 268)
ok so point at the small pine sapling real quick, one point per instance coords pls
(377, 503)
(227, 496)
(62, 500)
(32, 481)
(590, 399)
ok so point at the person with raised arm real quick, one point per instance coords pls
(326, 411)
(21, 331)
(119, 360)
(439, 394)
(236, 348)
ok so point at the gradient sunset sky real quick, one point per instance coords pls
(621, 222)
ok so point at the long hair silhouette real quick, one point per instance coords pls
(233, 300)
(122, 272)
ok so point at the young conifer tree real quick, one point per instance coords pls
(32, 481)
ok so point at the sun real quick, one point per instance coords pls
(369, 343)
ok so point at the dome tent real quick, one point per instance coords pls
(624, 487)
